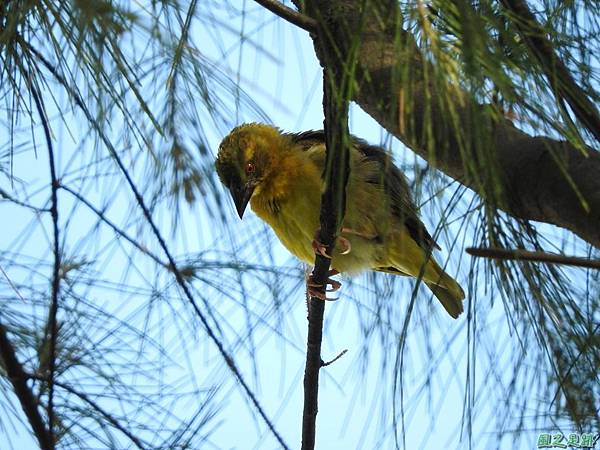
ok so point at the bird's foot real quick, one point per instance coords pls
(345, 243)
(321, 249)
(314, 289)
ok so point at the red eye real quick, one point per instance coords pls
(250, 168)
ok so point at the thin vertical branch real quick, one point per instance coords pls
(18, 379)
(336, 97)
(312, 366)
(52, 325)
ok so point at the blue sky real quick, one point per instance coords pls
(356, 401)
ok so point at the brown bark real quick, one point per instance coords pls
(518, 254)
(531, 177)
(18, 378)
(336, 98)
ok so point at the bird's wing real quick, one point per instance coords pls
(307, 139)
(396, 187)
(392, 270)
(394, 182)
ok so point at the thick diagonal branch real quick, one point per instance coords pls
(543, 179)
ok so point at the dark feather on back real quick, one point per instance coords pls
(393, 180)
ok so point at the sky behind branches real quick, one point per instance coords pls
(275, 65)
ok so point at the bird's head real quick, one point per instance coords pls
(245, 160)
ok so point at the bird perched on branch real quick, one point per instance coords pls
(280, 175)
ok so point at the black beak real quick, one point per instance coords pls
(241, 196)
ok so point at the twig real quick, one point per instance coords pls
(525, 255)
(10, 198)
(54, 184)
(289, 14)
(328, 363)
(333, 202)
(113, 421)
(115, 228)
(188, 294)
(11, 284)
(174, 269)
(18, 379)
(557, 73)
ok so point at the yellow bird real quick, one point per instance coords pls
(279, 174)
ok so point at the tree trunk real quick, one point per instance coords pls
(530, 177)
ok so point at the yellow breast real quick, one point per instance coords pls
(290, 203)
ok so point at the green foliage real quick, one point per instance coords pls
(138, 86)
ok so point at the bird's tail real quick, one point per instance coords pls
(408, 258)
(446, 289)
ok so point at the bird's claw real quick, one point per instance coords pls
(347, 247)
(314, 289)
(335, 285)
(321, 249)
(314, 292)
